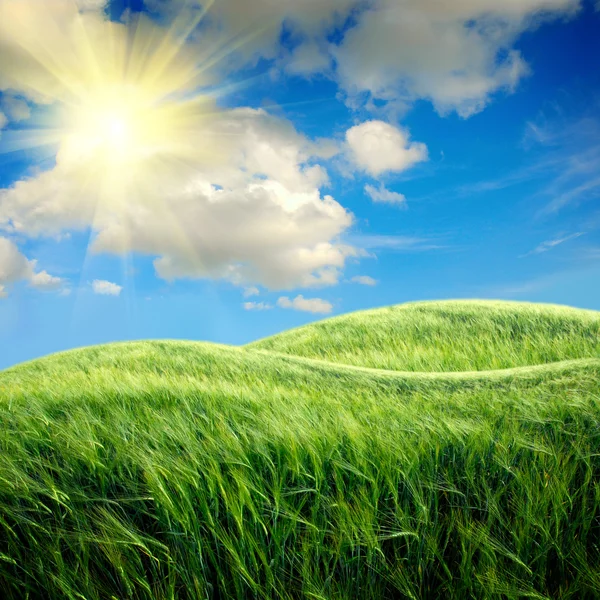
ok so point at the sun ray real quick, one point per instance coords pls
(132, 116)
(88, 54)
(235, 43)
(174, 40)
(15, 140)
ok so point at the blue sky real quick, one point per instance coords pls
(375, 153)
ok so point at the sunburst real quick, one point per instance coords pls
(130, 100)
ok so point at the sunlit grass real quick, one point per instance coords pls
(175, 470)
(447, 336)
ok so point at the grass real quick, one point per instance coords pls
(447, 336)
(182, 470)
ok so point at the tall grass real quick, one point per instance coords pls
(171, 470)
(447, 336)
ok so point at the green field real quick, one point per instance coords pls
(429, 450)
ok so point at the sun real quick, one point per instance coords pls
(120, 138)
(106, 130)
(109, 130)
(127, 97)
(117, 132)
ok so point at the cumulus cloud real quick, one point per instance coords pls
(257, 306)
(258, 23)
(14, 266)
(364, 280)
(382, 194)
(106, 288)
(260, 219)
(57, 50)
(307, 58)
(44, 281)
(257, 217)
(313, 305)
(377, 147)
(455, 54)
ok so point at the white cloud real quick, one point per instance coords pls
(376, 147)
(550, 244)
(589, 188)
(3, 120)
(455, 54)
(313, 305)
(306, 59)
(382, 194)
(251, 291)
(258, 23)
(58, 50)
(268, 225)
(106, 288)
(15, 109)
(14, 267)
(45, 281)
(257, 306)
(394, 242)
(364, 280)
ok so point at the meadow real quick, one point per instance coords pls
(427, 450)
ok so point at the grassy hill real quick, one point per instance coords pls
(176, 470)
(459, 335)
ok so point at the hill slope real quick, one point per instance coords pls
(447, 336)
(176, 470)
